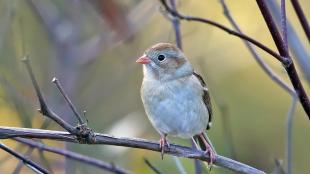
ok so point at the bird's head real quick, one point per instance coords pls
(164, 61)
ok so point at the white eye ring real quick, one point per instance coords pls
(161, 57)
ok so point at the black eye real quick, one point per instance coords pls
(161, 57)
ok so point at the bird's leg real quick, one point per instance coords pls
(162, 143)
(208, 149)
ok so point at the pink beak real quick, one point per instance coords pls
(143, 60)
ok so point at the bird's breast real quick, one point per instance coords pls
(175, 107)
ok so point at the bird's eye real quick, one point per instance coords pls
(161, 57)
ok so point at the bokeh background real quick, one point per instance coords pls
(91, 47)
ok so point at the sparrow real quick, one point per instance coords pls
(174, 96)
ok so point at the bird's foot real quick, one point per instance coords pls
(209, 151)
(162, 143)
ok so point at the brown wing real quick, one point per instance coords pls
(206, 98)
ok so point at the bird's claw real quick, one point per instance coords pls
(162, 143)
(211, 153)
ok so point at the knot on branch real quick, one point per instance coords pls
(287, 62)
(85, 135)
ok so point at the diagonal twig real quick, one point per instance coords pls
(302, 18)
(62, 91)
(29, 163)
(151, 166)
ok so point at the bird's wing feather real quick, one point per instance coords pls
(205, 97)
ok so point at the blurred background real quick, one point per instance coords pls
(91, 47)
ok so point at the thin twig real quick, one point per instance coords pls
(254, 53)
(75, 156)
(179, 165)
(21, 163)
(62, 91)
(289, 136)
(284, 57)
(176, 25)
(197, 163)
(296, 45)
(224, 28)
(302, 18)
(32, 165)
(151, 166)
(290, 67)
(30, 149)
(176, 150)
(44, 109)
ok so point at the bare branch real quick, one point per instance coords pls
(44, 109)
(151, 166)
(29, 163)
(222, 27)
(21, 163)
(176, 150)
(289, 136)
(176, 25)
(283, 24)
(75, 156)
(302, 18)
(290, 67)
(179, 165)
(62, 91)
(258, 58)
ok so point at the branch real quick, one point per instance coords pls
(176, 26)
(152, 167)
(44, 109)
(284, 24)
(75, 156)
(176, 150)
(32, 165)
(254, 53)
(63, 93)
(222, 27)
(302, 18)
(289, 136)
(290, 68)
(284, 57)
(82, 134)
(21, 163)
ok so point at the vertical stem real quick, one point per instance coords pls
(176, 26)
(283, 23)
(289, 134)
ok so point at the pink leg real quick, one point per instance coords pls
(208, 150)
(162, 143)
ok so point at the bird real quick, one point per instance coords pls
(175, 97)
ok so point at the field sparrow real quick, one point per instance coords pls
(175, 98)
